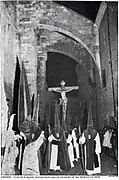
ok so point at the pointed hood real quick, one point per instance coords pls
(35, 110)
(11, 123)
(24, 103)
(90, 120)
(56, 118)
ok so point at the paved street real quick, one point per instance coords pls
(107, 168)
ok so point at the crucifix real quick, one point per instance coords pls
(63, 100)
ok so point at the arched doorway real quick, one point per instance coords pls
(61, 67)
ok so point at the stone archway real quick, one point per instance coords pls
(48, 15)
(59, 66)
(35, 19)
(55, 42)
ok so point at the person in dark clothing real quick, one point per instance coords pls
(101, 137)
(92, 148)
(114, 142)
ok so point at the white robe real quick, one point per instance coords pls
(70, 150)
(75, 144)
(9, 161)
(30, 164)
(11, 151)
(106, 141)
(54, 154)
(97, 151)
(4, 114)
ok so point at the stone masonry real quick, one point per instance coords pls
(108, 55)
(31, 29)
(9, 46)
(57, 29)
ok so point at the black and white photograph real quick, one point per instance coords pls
(59, 89)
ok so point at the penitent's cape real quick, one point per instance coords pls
(92, 147)
(30, 164)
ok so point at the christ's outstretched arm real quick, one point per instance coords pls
(68, 89)
(57, 90)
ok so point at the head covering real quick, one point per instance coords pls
(90, 132)
(10, 135)
(37, 133)
(16, 137)
(11, 123)
(56, 130)
(90, 121)
(56, 116)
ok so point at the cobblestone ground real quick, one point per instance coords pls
(107, 168)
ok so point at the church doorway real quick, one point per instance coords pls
(61, 67)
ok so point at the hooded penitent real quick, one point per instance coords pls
(11, 151)
(90, 131)
(92, 146)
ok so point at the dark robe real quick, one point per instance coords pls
(91, 156)
(60, 158)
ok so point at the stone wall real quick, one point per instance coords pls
(108, 54)
(37, 28)
(51, 16)
(113, 32)
(9, 46)
(57, 29)
(28, 54)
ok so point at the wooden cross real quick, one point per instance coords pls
(63, 90)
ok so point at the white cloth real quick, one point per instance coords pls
(4, 113)
(97, 151)
(70, 150)
(21, 149)
(8, 141)
(54, 154)
(107, 137)
(30, 164)
(75, 143)
(9, 161)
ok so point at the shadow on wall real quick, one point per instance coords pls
(85, 90)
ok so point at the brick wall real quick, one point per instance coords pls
(42, 27)
(57, 29)
(9, 46)
(28, 54)
(113, 30)
(106, 94)
(48, 15)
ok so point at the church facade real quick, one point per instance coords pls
(33, 31)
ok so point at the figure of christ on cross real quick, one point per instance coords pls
(63, 90)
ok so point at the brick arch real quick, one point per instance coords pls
(60, 43)
(72, 36)
(75, 50)
(58, 18)
(69, 55)
(73, 40)
(62, 52)
(74, 53)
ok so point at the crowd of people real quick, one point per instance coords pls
(109, 142)
(12, 152)
(56, 149)
(49, 150)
